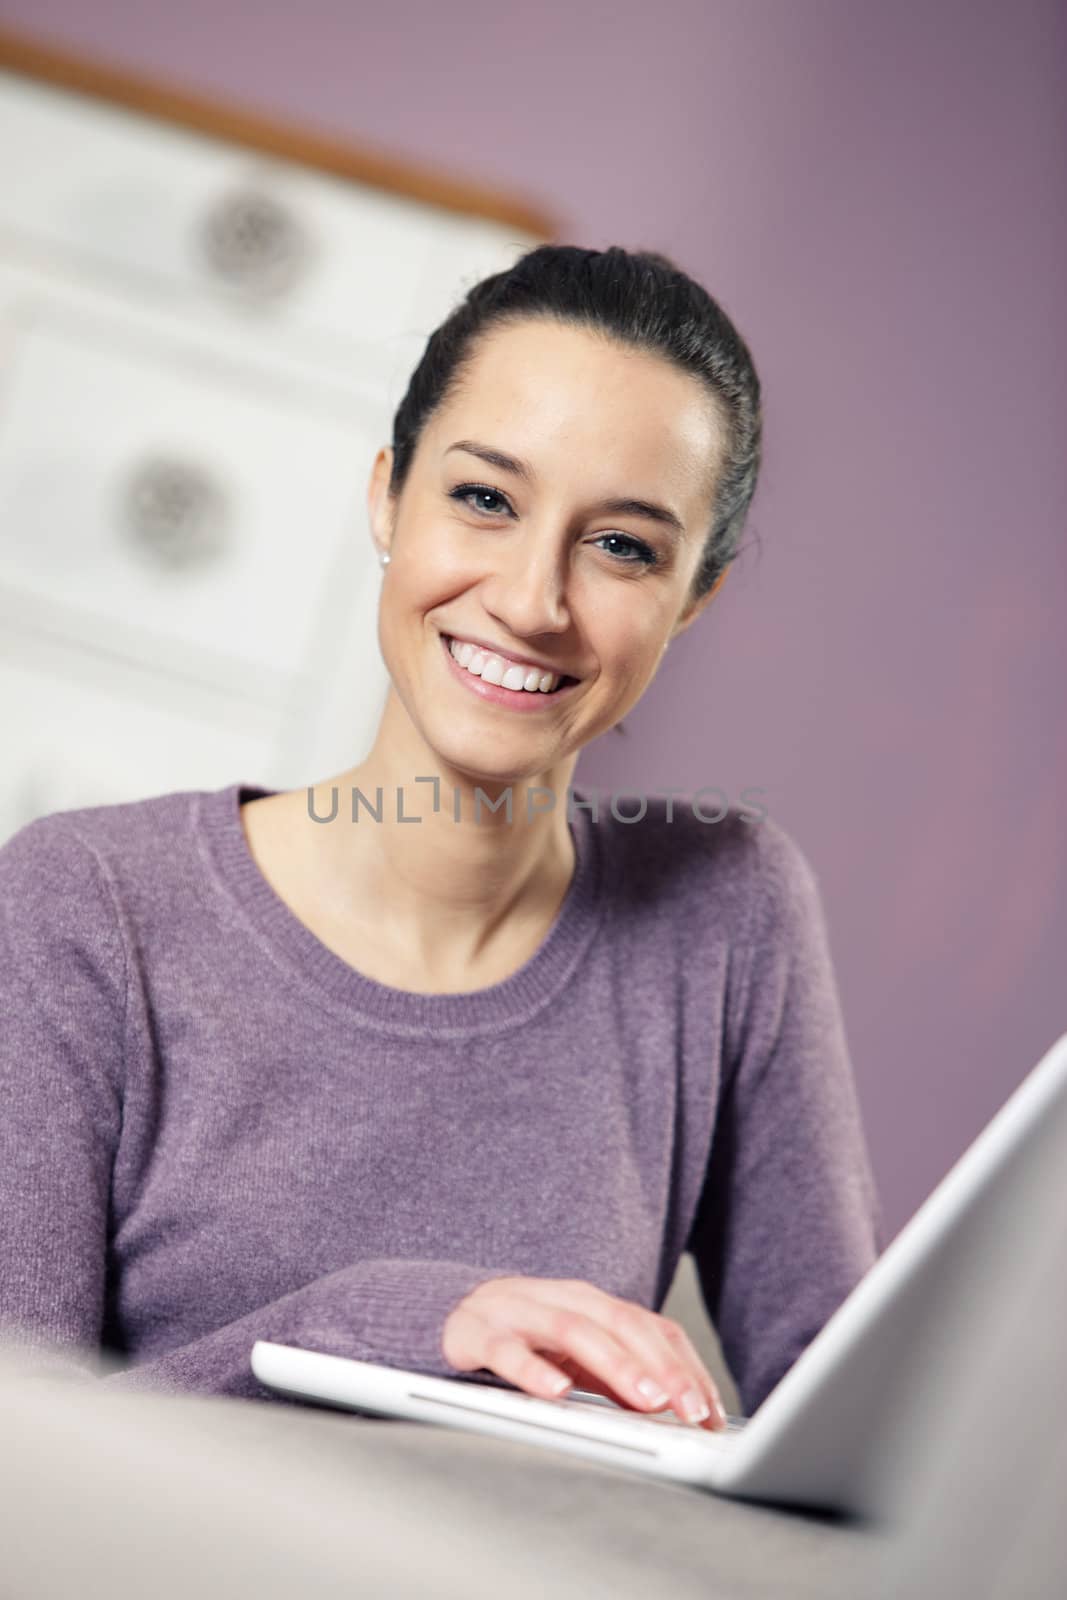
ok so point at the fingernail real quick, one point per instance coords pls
(694, 1406)
(652, 1392)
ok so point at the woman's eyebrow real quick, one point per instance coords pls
(618, 505)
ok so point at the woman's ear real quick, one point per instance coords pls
(381, 507)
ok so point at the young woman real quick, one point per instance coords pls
(436, 1063)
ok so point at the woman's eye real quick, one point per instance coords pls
(466, 492)
(641, 553)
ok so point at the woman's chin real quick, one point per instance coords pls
(479, 760)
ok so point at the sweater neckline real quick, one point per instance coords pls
(512, 1000)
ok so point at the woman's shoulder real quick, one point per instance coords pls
(739, 877)
(96, 848)
(683, 844)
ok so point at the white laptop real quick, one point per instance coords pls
(818, 1440)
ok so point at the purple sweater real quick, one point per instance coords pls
(214, 1130)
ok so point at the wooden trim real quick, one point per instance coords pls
(69, 71)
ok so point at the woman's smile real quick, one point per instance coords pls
(515, 699)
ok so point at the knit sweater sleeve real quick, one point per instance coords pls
(63, 975)
(391, 1311)
(789, 1219)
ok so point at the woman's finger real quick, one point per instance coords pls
(511, 1356)
(482, 1332)
(471, 1343)
(665, 1353)
(562, 1330)
(483, 1336)
(582, 1378)
(524, 1315)
(674, 1332)
(671, 1360)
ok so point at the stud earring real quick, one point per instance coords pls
(385, 558)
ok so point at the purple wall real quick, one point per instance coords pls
(875, 192)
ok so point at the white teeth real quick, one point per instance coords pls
(494, 669)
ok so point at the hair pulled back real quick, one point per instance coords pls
(640, 298)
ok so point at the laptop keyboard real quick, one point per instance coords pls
(588, 1402)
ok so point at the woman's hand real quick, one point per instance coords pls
(606, 1345)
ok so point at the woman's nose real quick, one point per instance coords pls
(528, 594)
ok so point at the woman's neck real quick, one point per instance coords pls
(426, 861)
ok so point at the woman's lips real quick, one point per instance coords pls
(514, 699)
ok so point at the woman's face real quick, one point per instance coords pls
(531, 557)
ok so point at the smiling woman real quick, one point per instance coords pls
(615, 501)
(457, 1094)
